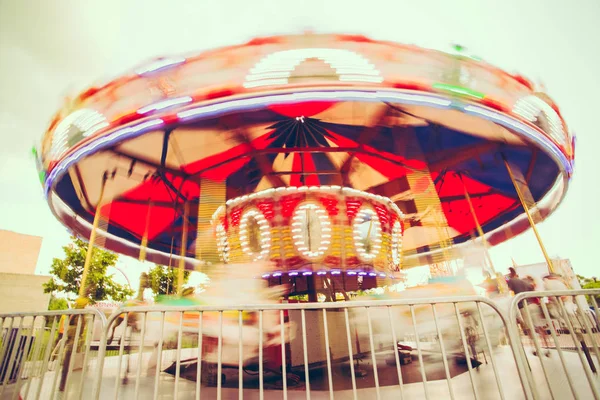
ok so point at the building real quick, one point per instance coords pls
(562, 267)
(20, 289)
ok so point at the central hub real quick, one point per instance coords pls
(317, 229)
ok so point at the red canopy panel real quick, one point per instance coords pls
(285, 146)
(306, 109)
(219, 166)
(221, 117)
(133, 217)
(487, 204)
(389, 169)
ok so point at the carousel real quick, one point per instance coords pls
(340, 160)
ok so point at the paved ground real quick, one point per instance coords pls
(484, 383)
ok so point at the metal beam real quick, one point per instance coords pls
(531, 165)
(364, 136)
(165, 148)
(165, 204)
(149, 163)
(173, 188)
(452, 157)
(263, 162)
(82, 186)
(466, 153)
(523, 201)
(330, 172)
(447, 199)
(290, 150)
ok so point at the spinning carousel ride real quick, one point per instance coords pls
(333, 156)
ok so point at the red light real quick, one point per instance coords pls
(88, 93)
(127, 118)
(352, 261)
(288, 205)
(383, 215)
(523, 81)
(170, 119)
(236, 214)
(412, 86)
(215, 94)
(267, 207)
(330, 204)
(495, 104)
(223, 220)
(352, 207)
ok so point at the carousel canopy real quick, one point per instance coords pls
(305, 111)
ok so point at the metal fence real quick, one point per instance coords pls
(467, 347)
(33, 344)
(564, 340)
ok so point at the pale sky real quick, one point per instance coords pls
(49, 49)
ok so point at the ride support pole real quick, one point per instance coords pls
(183, 250)
(144, 243)
(526, 208)
(88, 256)
(486, 245)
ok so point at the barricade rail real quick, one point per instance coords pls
(557, 314)
(456, 347)
(33, 343)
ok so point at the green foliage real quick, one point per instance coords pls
(590, 283)
(58, 303)
(163, 280)
(299, 297)
(67, 273)
(582, 280)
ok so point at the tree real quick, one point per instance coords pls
(163, 280)
(58, 303)
(582, 279)
(67, 273)
(590, 283)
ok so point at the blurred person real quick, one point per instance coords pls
(231, 285)
(491, 285)
(71, 330)
(518, 285)
(553, 282)
(418, 318)
(530, 280)
(132, 318)
(130, 324)
(538, 320)
(502, 285)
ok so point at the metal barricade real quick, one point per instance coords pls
(441, 348)
(459, 347)
(559, 342)
(39, 352)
